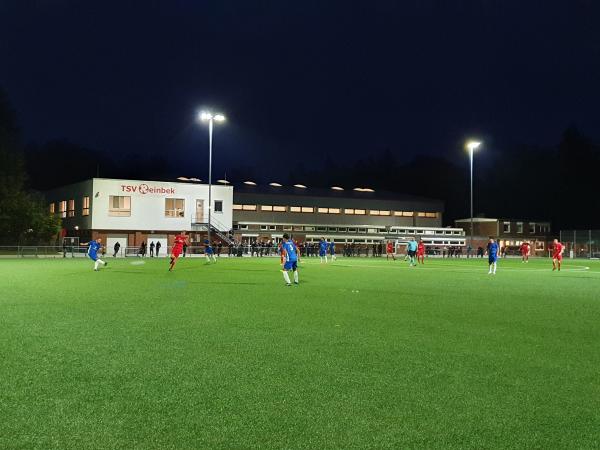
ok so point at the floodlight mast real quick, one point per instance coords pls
(471, 147)
(206, 116)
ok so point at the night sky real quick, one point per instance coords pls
(299, 80)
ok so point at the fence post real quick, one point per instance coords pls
(590, 244)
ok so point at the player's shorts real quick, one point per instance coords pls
(332, 252)
(420, 253)
(209, 251)
(290, 265)
(93, 256)
(389, 252)
(557, 257)
(322, 253)
(492, 259)
(411, 253)
(176, 252)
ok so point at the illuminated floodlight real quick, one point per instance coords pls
(473, 145)
(250, 183)
(360, 189)
(337, 188)
(301, 186)
(205, 116)
(219, 118)
(275, 184)
(223, 181)
(195, 179)
(183, 179)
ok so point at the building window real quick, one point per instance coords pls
(506, 227)
(287, 228)
(237, 207)
(539, 245)
(62, 208)
(421, 214)
(308, 209)
(348, 211)
(360, 211)
(431, 215)
(218, 206)
(404, 213)
(119, 206)
(519, 227)
(334, 210)
(85, 211)
(266, 208)
(532, 228)
(174, 207)
(279, 208)
(264, 227)
(249, 207)
(52, 208)
(71, 208)
(377, 212)
(374, 212)
(272, 227)
(309, 228)
(295, 209)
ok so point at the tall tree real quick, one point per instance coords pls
(23, 215)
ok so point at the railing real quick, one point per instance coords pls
(216, 227)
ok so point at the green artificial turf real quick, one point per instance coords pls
(365, 353)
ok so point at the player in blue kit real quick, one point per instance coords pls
(94, 246)
(332, 250)
(323, 245)
(209, 252)
(289, 259)
(492, 250)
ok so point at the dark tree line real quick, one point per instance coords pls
(24, 215)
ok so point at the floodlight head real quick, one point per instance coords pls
(473, 145)
(250, 183)
(183, 179)
(301, 186)
(223, 181)
(219, 118)
(337, 188)
(205, 116)
(275, 184)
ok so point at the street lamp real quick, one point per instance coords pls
(471, 147)
(209, 117)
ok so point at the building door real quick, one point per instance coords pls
(199, 211)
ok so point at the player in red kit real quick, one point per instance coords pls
(421, 252)
(525, 251)
(389, 251)
(180, 240)
(557, 254)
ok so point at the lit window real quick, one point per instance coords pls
(249, 207)
(323, 210)
(62, 208)
(539, 245)
(266, 208)
(374, 212)
(308, 209)
(334, 210)
(360, 211)
(348, 211)
(119, 206)
(519, 227)
(506, 227)
(237, 207)
(279, 208)
(86, 207)
(421, 214)
(431, 215)
(218, 206)
(385, 213)
(52, 208)
(408, 214)
(295, 209)
(287, 228)
(71, 208)
(174, 207)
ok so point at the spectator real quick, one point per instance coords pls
(116, 248)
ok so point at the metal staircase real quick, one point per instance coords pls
(216, 227)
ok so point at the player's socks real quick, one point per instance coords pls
(286, 277)
(296, 276)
